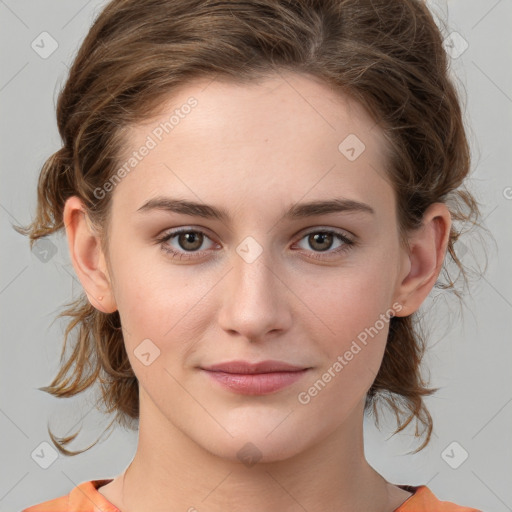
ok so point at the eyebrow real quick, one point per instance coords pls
(297, 211)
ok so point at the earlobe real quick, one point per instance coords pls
(87, 256)
(427, 250)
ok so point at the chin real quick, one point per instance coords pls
(251, 445)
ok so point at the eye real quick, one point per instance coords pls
(186, 241)
(322, 241)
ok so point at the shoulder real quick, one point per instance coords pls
(86, 498)
(56, 505)
(424, 500)
(82, 498)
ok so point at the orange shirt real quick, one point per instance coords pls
(86, 498)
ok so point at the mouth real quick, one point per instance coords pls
(245, 367)
(255, 378)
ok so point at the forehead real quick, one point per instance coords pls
(280, 139)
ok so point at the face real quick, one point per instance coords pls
(270, 278)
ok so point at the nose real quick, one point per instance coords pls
(256, 299)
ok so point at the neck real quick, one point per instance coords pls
(172, 472)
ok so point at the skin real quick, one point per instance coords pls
(255, 150)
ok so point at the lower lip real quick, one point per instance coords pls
(257, 383)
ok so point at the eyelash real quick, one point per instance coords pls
(347, 243)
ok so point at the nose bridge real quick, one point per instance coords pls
(255, 303)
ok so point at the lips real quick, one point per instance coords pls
(261, 378)
(244, 367)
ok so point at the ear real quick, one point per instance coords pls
(87, 256)
(424, 259)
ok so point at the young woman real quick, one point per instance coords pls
(258, 196)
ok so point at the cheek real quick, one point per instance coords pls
(352, 349)
(351, 314)
(348, 300)
(162, 302)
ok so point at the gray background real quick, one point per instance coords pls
(470, 355)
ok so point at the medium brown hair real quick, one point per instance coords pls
(389, 56)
